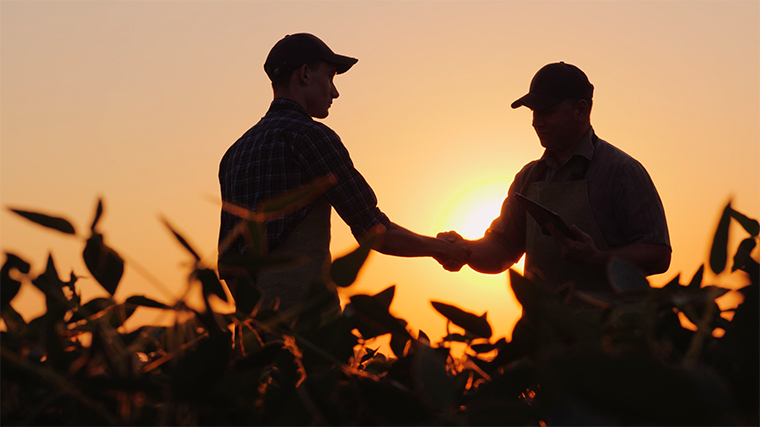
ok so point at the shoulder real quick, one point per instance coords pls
(613, 160)
(320, 130)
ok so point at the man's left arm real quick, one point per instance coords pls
(641, 216)
(648, 257)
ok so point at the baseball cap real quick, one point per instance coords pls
(295, 50)
(553, 83)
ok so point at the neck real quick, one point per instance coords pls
(564, 155)
(291, 95)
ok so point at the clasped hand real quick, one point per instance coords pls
(458, 255)
(584, 249)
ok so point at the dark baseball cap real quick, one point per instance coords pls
(553, 83)
(295, 50)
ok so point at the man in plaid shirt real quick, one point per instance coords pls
(287, 149)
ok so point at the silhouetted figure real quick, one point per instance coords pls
(605, 195)
(287, 149)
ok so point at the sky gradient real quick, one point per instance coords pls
(136, 102)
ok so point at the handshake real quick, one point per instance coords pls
(455, 253)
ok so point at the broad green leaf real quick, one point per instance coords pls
(373, 318)
(345, 269)
(105, 265)
(181, 240)
(143, 301)
(476, 325)
(742, 256)
(422, 337)
(718, 252)
(210, 283)
(431, 378)
(483, 348)
(14, 322)
(385, 297)
(674, 284)
(49, 282)
(98, 214)
(626, 278)
(56, 223)
(368, 354)
(245, 293)
(399, 341)
(696, 281)
(91, 308)
(293, 200)
(9, 286)
(524, 290)
(749, 224)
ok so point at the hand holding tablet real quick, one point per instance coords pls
(544, 216)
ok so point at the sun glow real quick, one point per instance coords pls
(470, 213)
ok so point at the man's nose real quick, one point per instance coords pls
(334, 93)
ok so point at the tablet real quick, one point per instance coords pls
(544, 216)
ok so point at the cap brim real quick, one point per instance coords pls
(536, 101)
(343, 63)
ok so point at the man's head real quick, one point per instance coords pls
(301, 67)
(560, 96)
(553, 83)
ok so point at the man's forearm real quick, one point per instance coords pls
(399, 241)
(649, 258)
(489, 257)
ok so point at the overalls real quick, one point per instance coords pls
(543, 260)
(310, 239)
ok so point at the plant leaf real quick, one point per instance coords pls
(385, 297)
(105, 265)
(422, 337)
(696, 281)
(718, 252)
(345, 269)
(9, 286)
(749, 224)
(210, 283)
(98, 214)
(143, 301)
(476, 325)
(455, 338)
(293, 200)
(373, 318)
(483, 348)
(181, 240)
(54, 222)
(626, 278)
(742, 256)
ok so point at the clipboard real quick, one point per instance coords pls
(543, 216)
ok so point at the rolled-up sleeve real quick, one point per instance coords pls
(323, 153)
(640, 210)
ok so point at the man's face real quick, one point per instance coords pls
(321, 90)
(557, 126)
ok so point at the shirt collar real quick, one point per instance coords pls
(585, 149)
(284, 104)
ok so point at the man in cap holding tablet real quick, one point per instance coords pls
(605, 195)
(287, 149)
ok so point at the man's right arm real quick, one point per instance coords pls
(487, 255)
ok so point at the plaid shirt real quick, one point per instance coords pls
(283, 151)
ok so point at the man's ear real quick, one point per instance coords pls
(582, 109)
(302, 75)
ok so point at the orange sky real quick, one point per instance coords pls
(137, 102)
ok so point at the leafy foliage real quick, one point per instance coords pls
(628, 361)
